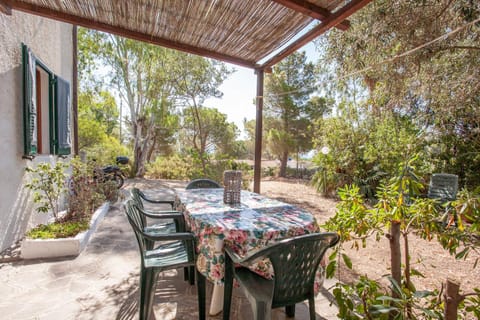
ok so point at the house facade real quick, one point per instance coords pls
(36, 73)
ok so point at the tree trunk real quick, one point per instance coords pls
(151, 149)
(395, 259)
(395, 253)
(198, 122)
(283, 165)
(144, 133)
(452, 299)
(138, 167)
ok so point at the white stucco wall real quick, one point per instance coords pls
(51, 42)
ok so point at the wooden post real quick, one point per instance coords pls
(257, 170)
(75, 89)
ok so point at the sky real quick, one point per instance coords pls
(239, 90)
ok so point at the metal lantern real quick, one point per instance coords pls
(232, 181)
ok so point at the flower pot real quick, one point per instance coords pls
(64, 247)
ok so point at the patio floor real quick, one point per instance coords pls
(102, 282)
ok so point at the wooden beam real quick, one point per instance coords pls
(311, 10)
(75, 90)
(123, 32)
(5, 8)
(340, 15)
(257, 168)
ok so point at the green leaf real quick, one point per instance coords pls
(423, 293)
(347, 261)
(388, 298)
(462, 254)
(331, 267)
(415, 272)
(380, 309)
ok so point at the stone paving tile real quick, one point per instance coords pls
(102, 283)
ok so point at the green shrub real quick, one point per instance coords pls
(270, 171)
(56, 230)
(48, 184)
(85, 193)
(106, 153)
(364, 150)
(178, 167)
(173, 167)
(217, 167)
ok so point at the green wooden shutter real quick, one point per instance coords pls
(62, 114)
(29, 103)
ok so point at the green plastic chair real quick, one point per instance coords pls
(141, 197)
(177, 250)
(167, 224)
(202, 183)
(295, 262)
(172, 221)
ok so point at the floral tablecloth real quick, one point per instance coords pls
(250, 225)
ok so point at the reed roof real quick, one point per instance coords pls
(244, 32)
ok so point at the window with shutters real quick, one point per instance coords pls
(47, 109)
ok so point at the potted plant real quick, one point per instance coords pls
(68, 233)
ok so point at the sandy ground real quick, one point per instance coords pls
(429, 258)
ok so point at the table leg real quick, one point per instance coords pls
(216, 305)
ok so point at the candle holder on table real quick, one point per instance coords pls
(232, 181)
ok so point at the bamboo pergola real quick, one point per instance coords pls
(252, 33)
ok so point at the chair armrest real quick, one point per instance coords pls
(169, 236)
(178, 217)
(161, 214)
(170, 202)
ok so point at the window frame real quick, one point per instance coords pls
(30, 109)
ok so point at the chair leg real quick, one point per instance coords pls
(290, 311)
(201, 292)
(148, 279)
(311, 306)
(185, 274)
(191, 275)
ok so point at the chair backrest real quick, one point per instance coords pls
(443, 186)
(137, 197)
(295, 262)
(137, 221)
(202, 183)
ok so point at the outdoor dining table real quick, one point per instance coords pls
(252, 224)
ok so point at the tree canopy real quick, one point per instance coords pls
(418, 59)
(289, 108)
